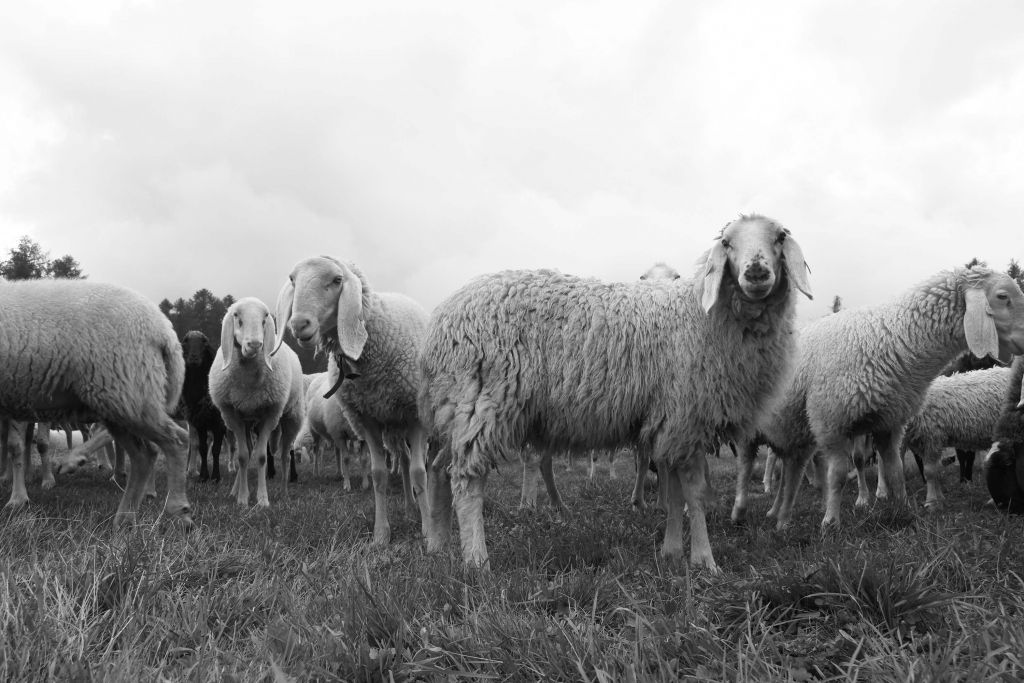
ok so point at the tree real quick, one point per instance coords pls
(975, 262)
(1016, 272)
(27, 261)
(66, 267)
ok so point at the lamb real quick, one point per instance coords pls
(257, 392)
(200, 412)
(1004, 463)
(669, 366)
(866, 371)
(326, 424)
(959, 411)
(374, 338)
(87, 351)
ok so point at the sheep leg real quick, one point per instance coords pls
(5, 461)
(548, 475)
(67, 433)
(932, 459)
(343, 470)
(744, 469)
(891, 465)
(379, 474)
(150, 490)
(218, 443)
(693, 478)
(568, 461)
(793, 471)
(769, 471)
(837, 459)
(264, 450)
(531, 475)
(439, 489)
(172, 440)
(17, 440)
(468, 494)
(663, 474)
(407, 493)
(418, 476)
(965, 459)
(643, 462)
(142, 455)
(593, 465)
(861, 454)
(243, 451)
(612, 474)
(204, 468)
(42, 441)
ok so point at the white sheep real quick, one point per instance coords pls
(558, 361)
(327, 425)
(374, 338)
(86, 351)
(959, 411)
(865, 371)
(258, 394)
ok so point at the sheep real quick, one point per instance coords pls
(866, 371)
(959, 411)
(257, 392)
(558, 361)
(374, 338)
(327, 425)
(200, 412)
(83, 350)
(1004, 463)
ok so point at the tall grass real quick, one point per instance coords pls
(297, 593)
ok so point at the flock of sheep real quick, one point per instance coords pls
(524, 364)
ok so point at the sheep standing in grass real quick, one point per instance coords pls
(327, 425)
(374, 338)
(866, 371)
(200, 412)
(670, 366)
(959, 411)
(258, 394)
(1004, 463)
(82, 350)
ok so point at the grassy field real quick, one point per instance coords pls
(297, 593)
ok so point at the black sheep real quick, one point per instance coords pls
(1004, 465)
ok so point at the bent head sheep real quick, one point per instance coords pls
(562, 362)
(87, 351)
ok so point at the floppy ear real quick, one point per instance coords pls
(796, 267)
(979, 327)
(714, 271)
(351, 330)
(227, 338)
(268, 338)
(284, 311)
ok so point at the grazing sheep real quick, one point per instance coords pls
(959, 411)
(557, 361)
(1004, 463)
(256, 392)
(373, 338)
(200, 412)
(866, 371)
(87, 351)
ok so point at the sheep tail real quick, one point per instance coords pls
(174, 363)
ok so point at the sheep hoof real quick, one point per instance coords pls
(862, 503)
(933, 506)
(706, 563)
(16, 503)
(381, 537)
(48, 484)
(346, 485)
(739, 517)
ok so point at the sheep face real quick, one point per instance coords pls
(994, 316)
(196, 348)
(754, 250)
(660, 271)
(323, 299)
(248, 326)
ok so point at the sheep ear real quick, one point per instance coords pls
(351, 329)
(714, 271)
(268, 338)
(227, 338)
(796, 266)
(979, 327)
(285, 299)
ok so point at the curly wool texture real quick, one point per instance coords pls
(959, 411)
(562, 362)
(86, 351)
(386, 391)
(867, 369)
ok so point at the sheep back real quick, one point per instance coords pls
(88, 351)
(566, 362)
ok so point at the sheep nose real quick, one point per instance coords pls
(253, 345)
(757, 272)
(300, 325)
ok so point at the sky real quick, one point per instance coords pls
(171, 146)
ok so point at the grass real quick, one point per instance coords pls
(297, 593)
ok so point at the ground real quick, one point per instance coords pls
(297, 592)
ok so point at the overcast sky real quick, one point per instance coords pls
(170, 146)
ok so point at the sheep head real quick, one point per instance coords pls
(660, 271)
(322, 301)
(249, 325)
(196, 348)
(753, 250)
(993, 315)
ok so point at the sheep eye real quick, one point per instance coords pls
(337, 279)
(726, 243)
